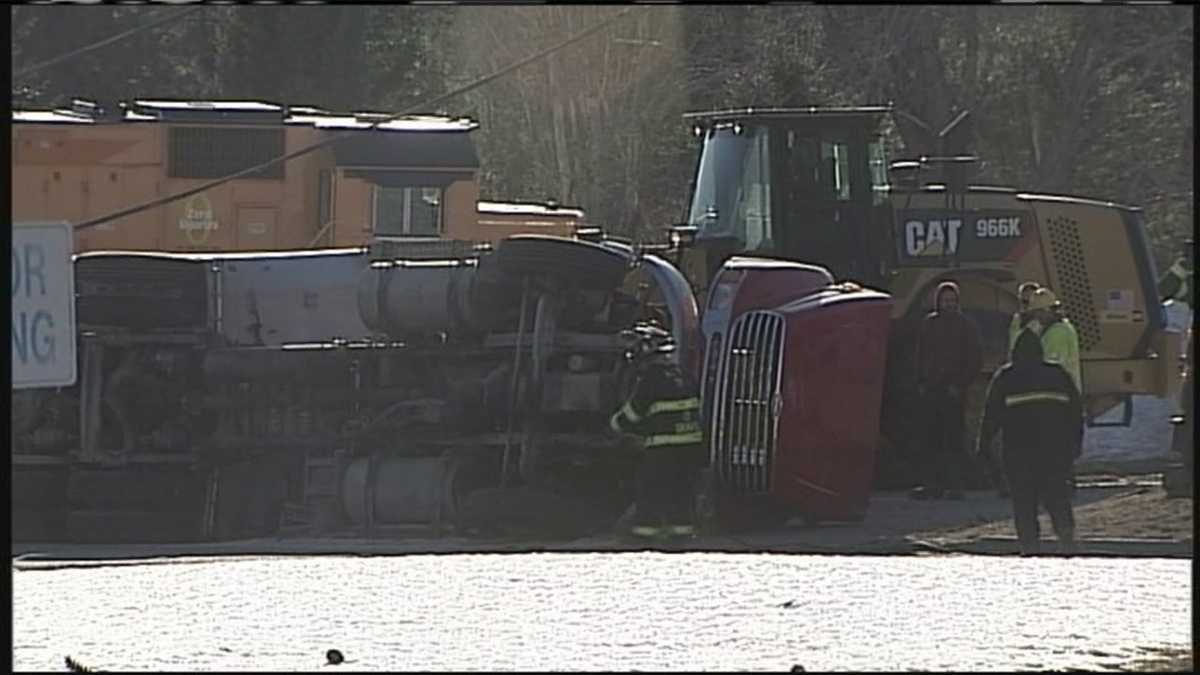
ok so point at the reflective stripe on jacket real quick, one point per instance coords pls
(671, 422)
(1039, 411)
(663, 410)
(1060, 345)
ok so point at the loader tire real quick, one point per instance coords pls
(583, 263)
(134, 488)
(133, 527)
(30, 525)
(39, 487)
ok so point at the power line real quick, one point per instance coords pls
(169, 15)
(346, 134)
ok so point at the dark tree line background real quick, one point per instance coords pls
(1092, 101)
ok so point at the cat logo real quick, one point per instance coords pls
(933, 238)
(198, 219)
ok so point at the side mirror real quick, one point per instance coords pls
(683, 235)
(594, 235)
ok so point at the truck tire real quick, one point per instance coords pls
(133, 527)
(583, 263)
(169, 488)
(39, 487)
(31, 525)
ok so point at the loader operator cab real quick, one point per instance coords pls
(798, 184)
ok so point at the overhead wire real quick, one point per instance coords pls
(169, 16)
(347, 134)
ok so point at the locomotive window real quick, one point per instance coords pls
(213, 152)
(408, 211)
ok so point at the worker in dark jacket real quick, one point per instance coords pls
(949, 357)
(664, 412)
(1040, 411)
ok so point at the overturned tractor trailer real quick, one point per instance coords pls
(229, 395)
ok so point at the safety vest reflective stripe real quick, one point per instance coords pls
(1035, 396)
(627, 412)
(679, 405)
(674, 439)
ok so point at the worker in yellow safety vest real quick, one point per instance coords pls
(1022, 317)
(1176, 284)
(1060, 341)
(664, 412)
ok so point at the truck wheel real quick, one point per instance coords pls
(134, 488)
(586, 264)
(39, 487)
(133, 527)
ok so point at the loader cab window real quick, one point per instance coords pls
(732, 197)
(835, 163)
(824, 183)
(818, 170)
(877, 157)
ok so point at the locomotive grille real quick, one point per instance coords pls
(744, 418)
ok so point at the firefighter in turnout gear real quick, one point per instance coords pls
(1060, 342)
(664, 411)
(1040, 411)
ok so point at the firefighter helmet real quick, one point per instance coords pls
(647, 340)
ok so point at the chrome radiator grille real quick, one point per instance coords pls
(744, 412)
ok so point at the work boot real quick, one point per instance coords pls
(645, 531)
(681, 531)
(922, 493)
(918, 493)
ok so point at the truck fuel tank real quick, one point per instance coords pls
(417, 297)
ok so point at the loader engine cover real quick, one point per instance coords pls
(793, 386)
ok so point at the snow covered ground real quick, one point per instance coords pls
(1149, 435)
